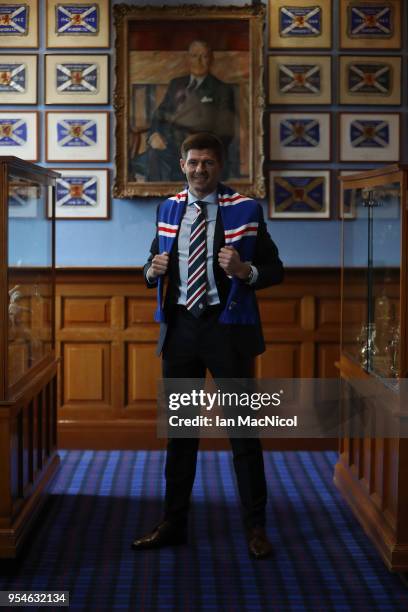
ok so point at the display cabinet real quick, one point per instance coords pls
(28, 420)
(372, 468)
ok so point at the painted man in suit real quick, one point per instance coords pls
(195, 102)
(213, 247)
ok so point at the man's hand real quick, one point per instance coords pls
(159, 266)
(156, 141)
(231, 263)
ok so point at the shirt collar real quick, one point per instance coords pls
(198, 80)
(211, 198)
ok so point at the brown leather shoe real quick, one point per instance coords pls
(165, 534)
(259, 546)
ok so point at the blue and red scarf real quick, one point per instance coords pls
(240, 219)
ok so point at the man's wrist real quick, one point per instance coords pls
(245, 272)
(150, 276)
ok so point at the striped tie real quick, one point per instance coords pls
(197, 264)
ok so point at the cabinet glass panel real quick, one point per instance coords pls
(355, 275)
(385, 280)
(29, 275)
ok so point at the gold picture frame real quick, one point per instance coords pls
(295, 24)
(155, 49)
(370, 24)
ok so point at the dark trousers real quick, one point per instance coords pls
(192, 346)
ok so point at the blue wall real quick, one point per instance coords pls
(124, 239)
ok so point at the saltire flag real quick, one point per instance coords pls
(14, 19)
(299, 78)
(13, 132)
(77, 191)
(369, 133)
(300, 21)
(77, 78)
(299, 133)
(13, 77)
(77, 133)
(369, 20)
(299, 193)
(77, 19)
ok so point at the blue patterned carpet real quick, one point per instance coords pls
(101, 500)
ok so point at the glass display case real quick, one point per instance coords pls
(373, 454)
(373, 279)
(27, 270)
(28, 417)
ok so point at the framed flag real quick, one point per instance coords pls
(370, 24)
(77, 136)
(76, 79)
(18, 79)
(19, 134)
(299, 136)
(19, 24)
(78, 24)
(300, 24)
(82, 194)
(370, 79)
(300, 80)
(369, 137)
(299, 194)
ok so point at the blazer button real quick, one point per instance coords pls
(232, 305)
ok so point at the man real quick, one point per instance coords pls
(193, 103)
(213, 246)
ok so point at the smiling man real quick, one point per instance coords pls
(213, 246)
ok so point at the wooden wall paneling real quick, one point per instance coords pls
(108, 316)
(279, 361)
(327, 355)
(87, 373)
(83, 312)
(143, 372)
(402, 525)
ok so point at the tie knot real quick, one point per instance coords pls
(201, 206)
(192, 85)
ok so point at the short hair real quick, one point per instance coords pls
(203, 43)
(203, 140)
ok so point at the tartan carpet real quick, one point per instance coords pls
(101, 500)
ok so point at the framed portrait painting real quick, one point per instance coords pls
(369, 137)
(180, 72)
(299, 194)
(81, 194)
(73, 136)
(19, 24)
(370, 24)
(76, 79)
(300, 136)
(300, 24)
